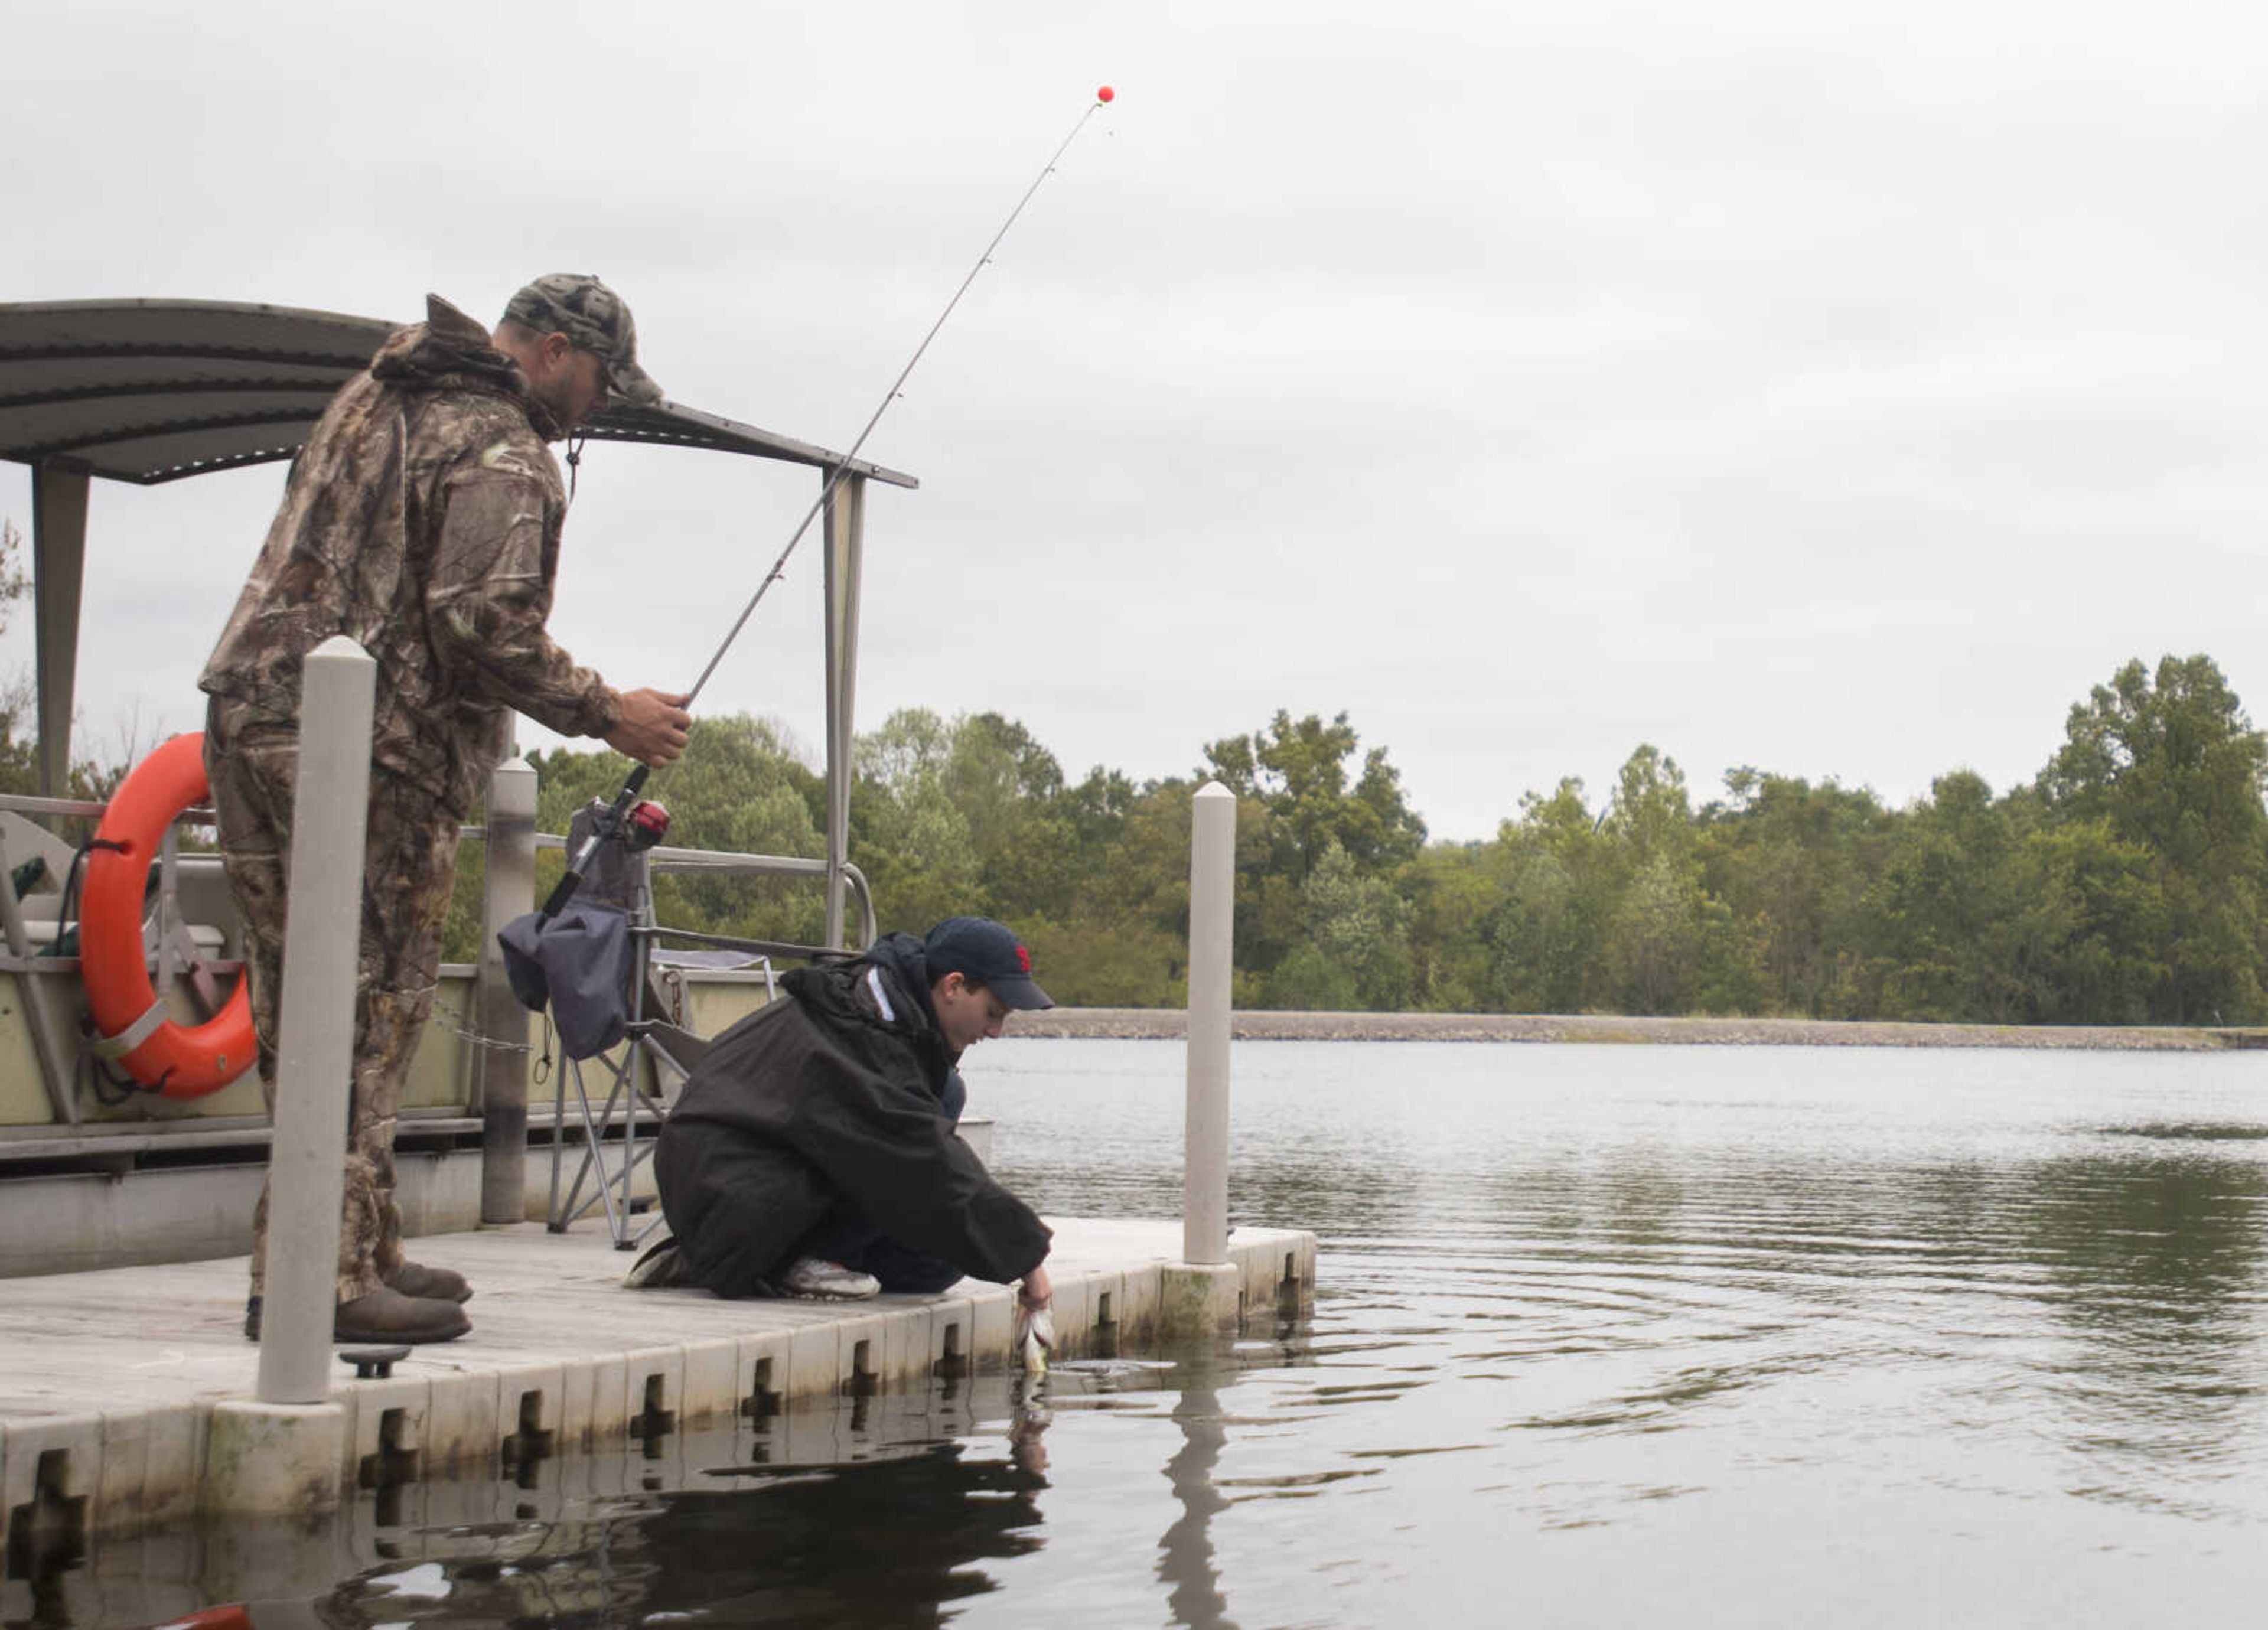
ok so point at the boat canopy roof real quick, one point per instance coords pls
(151, 391)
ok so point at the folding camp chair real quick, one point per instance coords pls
(643, 1074)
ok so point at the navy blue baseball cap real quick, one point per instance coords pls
(978, 948)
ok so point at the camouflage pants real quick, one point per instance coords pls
(409, 858)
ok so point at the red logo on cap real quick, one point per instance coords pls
(1023, 959)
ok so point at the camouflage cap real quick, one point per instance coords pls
(593, 315)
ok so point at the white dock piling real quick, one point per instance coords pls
(315, 1028)
(1212, 937)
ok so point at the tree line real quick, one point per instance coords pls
(2123, 885)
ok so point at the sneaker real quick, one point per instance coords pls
(659, 1266)
(818, 1280)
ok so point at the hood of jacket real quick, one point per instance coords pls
(449, 352)
(844, 993)
(902, 960)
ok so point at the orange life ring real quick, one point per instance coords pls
(235, 1616)
(179, 1061)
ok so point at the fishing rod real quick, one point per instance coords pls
(612, 820)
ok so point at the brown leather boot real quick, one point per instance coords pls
(439, 1284)
(385, 1315)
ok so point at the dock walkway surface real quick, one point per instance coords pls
(110, 1380)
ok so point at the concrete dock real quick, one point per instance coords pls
(126, 1394)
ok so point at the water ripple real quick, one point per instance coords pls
(1603, 1337)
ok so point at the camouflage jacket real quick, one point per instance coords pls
(422, 520)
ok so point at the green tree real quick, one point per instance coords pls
(740, 788)
(1671, 946)
(1297, 795)
(2174, 764)
(1452, 895)
(1944, 914)
(1119, 963)
(910, 837)
(1655, 938)
(1651, 814)
(19, 742)
(1548, 936)
(1793, 862)
(15, 582)
(90, 778)
(1297, 771)
(2124, 886)
(2176, 767)
(1021, 824)
(2104, 960)
(1354, 949)
(19, 746)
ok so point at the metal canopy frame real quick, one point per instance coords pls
(150, 391)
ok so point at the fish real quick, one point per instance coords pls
(1037, 1341)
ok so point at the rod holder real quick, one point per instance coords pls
(507, 891)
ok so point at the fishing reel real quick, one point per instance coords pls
(646, 824)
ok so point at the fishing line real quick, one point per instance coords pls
(609, 822)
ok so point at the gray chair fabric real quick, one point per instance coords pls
(580, 962)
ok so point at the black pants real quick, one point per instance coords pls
(849, 1236)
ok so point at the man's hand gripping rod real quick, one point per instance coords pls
(611, 821)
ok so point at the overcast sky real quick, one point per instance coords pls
(1838, 389)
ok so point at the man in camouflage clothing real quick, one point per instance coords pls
(422, 520)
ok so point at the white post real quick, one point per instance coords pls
(315, 1044)
(846, 526)
(58, 568)
(508, 891)
(1212, 936)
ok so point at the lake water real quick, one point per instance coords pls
(1603, 1336)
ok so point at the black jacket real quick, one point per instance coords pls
(836, 1092)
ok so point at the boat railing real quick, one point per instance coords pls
(193, 934)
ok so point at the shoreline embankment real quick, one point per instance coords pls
(1170, 1024)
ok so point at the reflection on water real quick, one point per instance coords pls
(882, 1511)
(884, 1542)
(1186, 1558)
(1731, 1336)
